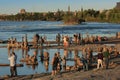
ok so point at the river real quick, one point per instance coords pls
(16, 29)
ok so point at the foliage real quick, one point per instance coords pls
(111, 15)
(71, 19)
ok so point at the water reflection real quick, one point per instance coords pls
(66, 53)
(41, 55)
(30, 60)
(46, 60)
(24, 53)
(39, 60)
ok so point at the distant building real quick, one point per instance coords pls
(68, 8)
(22, 11)
(118, 5)
(75, 13)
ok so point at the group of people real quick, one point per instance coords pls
(86, 60)
(103, 56)
(37, 40)
(64, 39)
(78, 39)
(59, 63)
(12, 42)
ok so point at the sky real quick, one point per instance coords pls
(14, 6)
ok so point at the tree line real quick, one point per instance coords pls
(111, 15)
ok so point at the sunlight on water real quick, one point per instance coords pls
(48, 29)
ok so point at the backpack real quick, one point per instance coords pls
(56, 60)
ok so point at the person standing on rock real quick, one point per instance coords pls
(58, 38)
(100, 59)
(12, 60)
(84, 60)
(59, 66)
(79, 39)
(89, 55)
(55, 62)
(106, 55)
(35, 40)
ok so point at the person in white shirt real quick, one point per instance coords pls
(12, 60)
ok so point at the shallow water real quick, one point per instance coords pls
(10, 29)
(40, 68)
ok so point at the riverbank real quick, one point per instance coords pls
(93, 74)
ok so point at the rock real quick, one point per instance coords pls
(6, 76)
